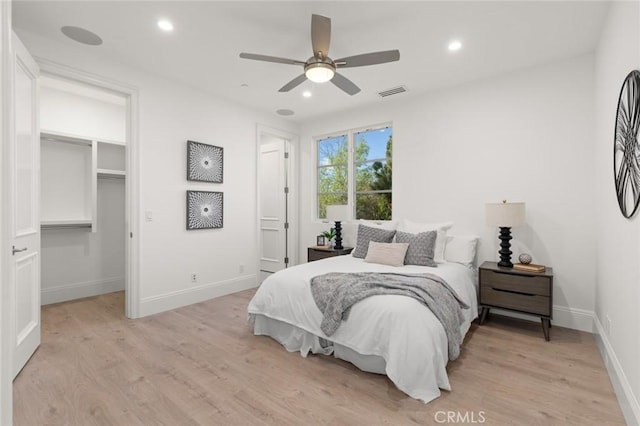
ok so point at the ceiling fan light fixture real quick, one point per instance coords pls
(319, 72)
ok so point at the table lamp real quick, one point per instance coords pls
(338, 213)
(505, 215)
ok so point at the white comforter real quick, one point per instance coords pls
(402, 331)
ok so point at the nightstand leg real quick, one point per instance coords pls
(483, 314)
(546, 324)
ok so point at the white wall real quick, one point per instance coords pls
(618, 254)
(524, 137)
(69, 112)
(76, 262)
(169, 115)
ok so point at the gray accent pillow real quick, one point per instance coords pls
(367, 234)
(421, 247)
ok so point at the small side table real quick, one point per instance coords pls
(322, 252)
(515, 290)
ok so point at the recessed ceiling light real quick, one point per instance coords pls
(165, 25)
(455, 45)
(306, 93)
(244, 85)
(81, 35)
(284, 112)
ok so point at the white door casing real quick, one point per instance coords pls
(24, 216)
(272, 208)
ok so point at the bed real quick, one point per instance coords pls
(386, 334)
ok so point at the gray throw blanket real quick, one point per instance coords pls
(335, 293)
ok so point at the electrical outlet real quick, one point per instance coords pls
(607, 325)
(194, 277)
(241, 269)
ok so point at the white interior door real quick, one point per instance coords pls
(273, 190)
(24, 217)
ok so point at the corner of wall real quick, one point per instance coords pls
(626, 398)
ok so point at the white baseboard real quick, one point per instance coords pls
(576, 319)
(176, 299)
(627, 400)
(80, 290)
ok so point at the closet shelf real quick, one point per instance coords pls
(110, 173)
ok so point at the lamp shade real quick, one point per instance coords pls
(338, 212)
(319, 72)
(505, 214)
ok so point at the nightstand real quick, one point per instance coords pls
(322, 252)
(519, 291)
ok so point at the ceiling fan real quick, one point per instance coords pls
(320, 67)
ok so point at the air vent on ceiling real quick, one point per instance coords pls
(392, 91)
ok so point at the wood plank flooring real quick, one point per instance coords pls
(201, 365)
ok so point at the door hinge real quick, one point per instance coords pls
(286, 189)
(130, 234)
(286, 155)
(286, 260)
(286, 225)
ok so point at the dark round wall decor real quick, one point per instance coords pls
(626, 148)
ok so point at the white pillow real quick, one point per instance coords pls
(461, 250)
(441, 238)
(389, 225)
(391, 254)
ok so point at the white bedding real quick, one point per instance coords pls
(398, 329)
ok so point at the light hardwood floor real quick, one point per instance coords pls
(201, 365)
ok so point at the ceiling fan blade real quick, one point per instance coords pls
(293, 83)
(345, 84)
(320, 35)
(266, 58)
(365, 59)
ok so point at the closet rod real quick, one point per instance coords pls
(54, 227)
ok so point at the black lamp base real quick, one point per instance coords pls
(505, 246)
(338, 245)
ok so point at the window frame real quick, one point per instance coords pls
(352, 167)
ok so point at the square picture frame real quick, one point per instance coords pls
(205, 163)
(205, 210)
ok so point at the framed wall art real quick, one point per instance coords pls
(626, 146)
(204, 162)
(204, 210)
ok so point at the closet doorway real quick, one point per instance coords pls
(86, 189)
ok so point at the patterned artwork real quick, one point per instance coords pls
(204, 210)
(626, 146)
(204, 162)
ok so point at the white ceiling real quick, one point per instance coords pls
(202, 51)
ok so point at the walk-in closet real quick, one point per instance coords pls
(83, 174)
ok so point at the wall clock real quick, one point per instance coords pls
(626, 151)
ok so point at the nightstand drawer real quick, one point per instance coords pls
(319, 254)
(530, 284)
(519, 301)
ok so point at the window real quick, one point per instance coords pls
(355, 168)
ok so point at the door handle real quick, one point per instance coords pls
(14, 250)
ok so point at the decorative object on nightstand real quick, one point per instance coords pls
(626, 145)
(320, 240)
(338, 213)
(525, 258)
(505, 216)
(328, 237)
(519, 291)
(322, 252)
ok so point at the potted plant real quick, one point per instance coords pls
(329, 236)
